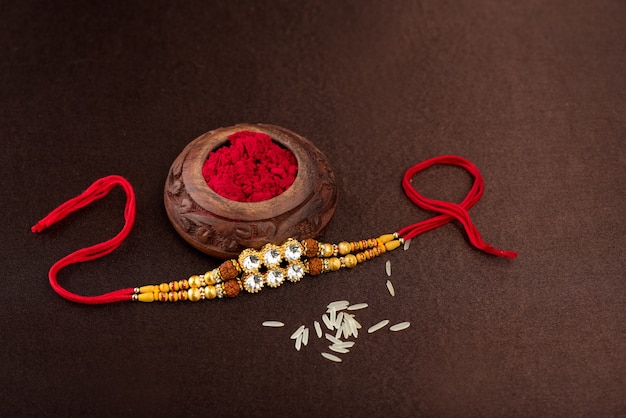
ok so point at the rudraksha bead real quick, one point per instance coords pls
(229, 270)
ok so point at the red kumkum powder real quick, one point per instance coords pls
(252, 168)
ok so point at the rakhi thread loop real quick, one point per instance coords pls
(273, 264)
(449, 211)
(97, 190)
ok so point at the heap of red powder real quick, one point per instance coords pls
(252, 168)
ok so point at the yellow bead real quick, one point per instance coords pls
(386, 238)
(344, 248)
(172, 296)
(194, 281)
(326, 250)
(147, 289)
(360, 257)
(193, 294)
(210, 292)
(209, 278)
(392, 245)
(334, 264)
(350, 261)
(145, 297)
(164, 287)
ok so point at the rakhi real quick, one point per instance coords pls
(272, 264)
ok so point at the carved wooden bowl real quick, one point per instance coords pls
(222, 227)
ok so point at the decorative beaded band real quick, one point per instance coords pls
(271, 266)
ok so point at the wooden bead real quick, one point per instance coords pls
(164, 287)
(231, 288)
(316, 266)
(163, 297)
(360, 257)
(174, 287)
(172, 296)
(183, 284)
(182, 295)
(311, 247)
(229, 269)
(350, 261)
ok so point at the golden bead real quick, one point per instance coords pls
(164, 287)
(326, 250)
(183, 295)
(210, 292)
(209, 278)
(193, 294)
(172, 296)
(350, 260)
(183, 284)
(344, 248)
(163, 297)
(360, 257)
(194, 281)
(334, 264)
(174, 287)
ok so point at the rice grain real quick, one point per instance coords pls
(400, 326)
(318, 329)
(357, 306)
(388, 267)
(273, 324)
(331, 357)
(378, 326)
(392, 291)
(407, 244)
(297, 332)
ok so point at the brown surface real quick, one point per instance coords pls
(531, 92)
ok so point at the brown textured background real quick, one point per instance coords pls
(534, 93)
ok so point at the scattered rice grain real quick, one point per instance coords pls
(392, 292)
(345, 344)
(331, 357)
(338, 305)
(338, 349)
(274, 324)
(333, 339)
(297, 332)
(407, 244)
(318, 329)
(305, 336)
(299, 342)
(357, 306)
(378, 326)
(327, 322)
(332, 317)
(388, 267)
(339, 320)
(400, 326)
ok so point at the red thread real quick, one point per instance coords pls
(97, 190)
(100, 188)
(252, 168)
(450, 211)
